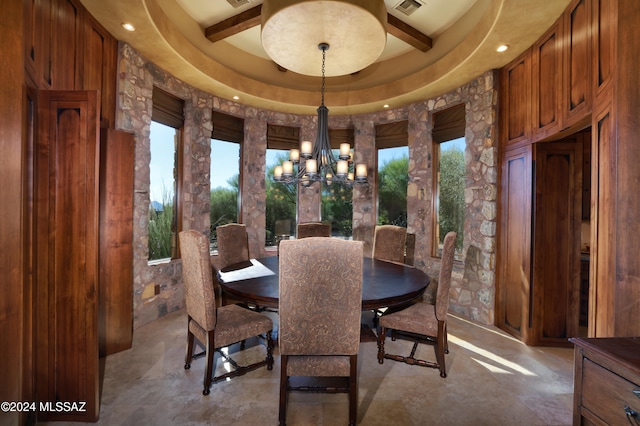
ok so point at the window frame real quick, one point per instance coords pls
(449, 124)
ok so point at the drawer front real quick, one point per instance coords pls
(608, 395)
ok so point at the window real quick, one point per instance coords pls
(449, 179)
(337, 200)
(281, 199)
(225, 174)
(165, 171)
(393, 173)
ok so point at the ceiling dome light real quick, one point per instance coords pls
(356, 30)
(128, 26)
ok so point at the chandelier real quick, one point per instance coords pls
(321, 164)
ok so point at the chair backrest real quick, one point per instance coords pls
(444, 278)
(320, 296)
(313, 229)
(197, 278)
(389, 243)
(233, 244)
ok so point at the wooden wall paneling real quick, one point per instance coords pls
(100, 55)
(67, 42)
(66, 192)
(556, 265)
(603, 227)
(546, 82)
(513, 281)
(627, 109)
(515, 105)
(115, 318)
(577, 62)
(14, 364)
(38, 37)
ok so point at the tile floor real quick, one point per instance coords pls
(492, 379)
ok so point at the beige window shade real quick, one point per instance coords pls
(227, 127)
(338, 136)
(167, 109)
(282, 137)
(449, 124)
(392, 135)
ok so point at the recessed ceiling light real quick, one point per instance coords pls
(502, 48)
(128, 26)
(385, 106)
(236, 97)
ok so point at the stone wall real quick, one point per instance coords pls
(158, 285)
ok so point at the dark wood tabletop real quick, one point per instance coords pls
(384, 284)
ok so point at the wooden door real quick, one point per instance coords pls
(115, 316)
(66, 253)
(556, 248)
(513, 284)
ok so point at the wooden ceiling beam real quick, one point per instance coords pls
(408, 34)
(234, 25)
(251, 17)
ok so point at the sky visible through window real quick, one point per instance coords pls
(162, 167)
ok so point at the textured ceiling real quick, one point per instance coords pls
(464, 35)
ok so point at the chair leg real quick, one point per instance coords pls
(353, 390)
(441, 347)
(269, 351)
(284, 392)
(189, 354)
(446, 339)
(208, 370)
(381, 337)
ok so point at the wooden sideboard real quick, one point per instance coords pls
(607, 381)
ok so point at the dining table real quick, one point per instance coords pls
(384, 284)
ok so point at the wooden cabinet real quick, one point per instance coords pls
(607, 381)
(115, 315)
(600, 45)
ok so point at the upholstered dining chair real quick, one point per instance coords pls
(233, 244)
(423, 322)
(313, 229)
(389, 243)
(215, 327)
(320, 307)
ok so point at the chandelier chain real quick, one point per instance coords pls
(324, 53)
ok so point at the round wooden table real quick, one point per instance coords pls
(384, 284)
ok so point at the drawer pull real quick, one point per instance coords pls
(636, 392)
(630, 412)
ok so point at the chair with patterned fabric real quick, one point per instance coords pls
(215, 327)
(313, 229)
(233, 244)
(320, 308)
(389, 243)
(423, 322)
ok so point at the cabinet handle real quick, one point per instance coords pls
(630, 412)
(636, 392)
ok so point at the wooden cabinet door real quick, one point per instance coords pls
(546, 77)
(576, 103)
(557, 220)
(66, 252)
(515, 101)
(513, 281)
